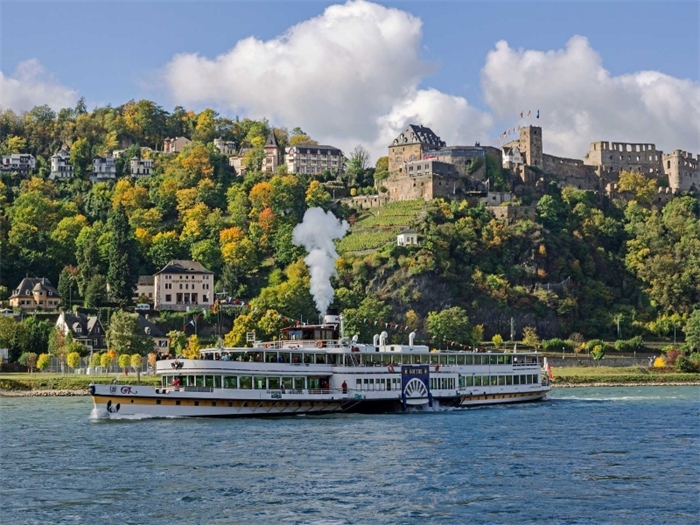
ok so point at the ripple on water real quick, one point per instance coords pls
(586, 456)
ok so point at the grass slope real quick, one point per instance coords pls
(379, 226)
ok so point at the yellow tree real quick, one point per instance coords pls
(260, 197)
(191, 351)
(642, 187)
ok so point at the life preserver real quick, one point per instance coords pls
(437, 368)
(390, 367)
(354, 349)
(267, 345)
(319, 344)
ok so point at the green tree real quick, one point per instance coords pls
(497, 341)
(68, 285)
(125, 335)
(692, 331)
(178, 341)
(81, 156)
(643, 188)
(122, 274)
(96, 292)
(530, 337)
(451, 325)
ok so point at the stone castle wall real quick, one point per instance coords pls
(610, 158)
(682, 171)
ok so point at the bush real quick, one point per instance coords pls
(672, 356)
(590, 345)
(556, 344)
(683, 364)
(629, 345)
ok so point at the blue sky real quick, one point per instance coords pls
(111, 52)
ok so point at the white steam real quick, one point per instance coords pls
(316, 233)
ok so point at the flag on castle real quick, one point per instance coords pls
(528, 112)
(538, 113)
(521, 114)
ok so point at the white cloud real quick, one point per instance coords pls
(580, 102)
(346, 76)
(351, 75)
(32, 86)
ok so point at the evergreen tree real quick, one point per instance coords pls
(122, 273)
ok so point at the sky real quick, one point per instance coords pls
(358, 72)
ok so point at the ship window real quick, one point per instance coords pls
(321, 359)
(485, 380)
(198, 380)
(259, 383)
(501, 380)
(245, 382)
(477, 380)
(443, 359)
(231, 382)
(314, 383)
(274, 383)
(469, 381)
(451, 359)
(209, 381)
(388, 384)
(516, 380)
(286, 383)
(460, 359)
(468, 359)
(509, 380)
(366, 383)
(501, 359)
(508, 359)
(493, 359)
(358, 384)
(494, 380)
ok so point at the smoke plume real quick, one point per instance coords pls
(316, 233)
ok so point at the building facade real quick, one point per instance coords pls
(610, 158)
(145, 287)
(103, 169)
(406, 238)
(35, 292)
(22, 163)
(182, 285)
(175, 145)
(161, 342)
(86, 330)
(314, 160)
(411, 144)
(225, 147)
(273, 154)
(140, 167)
(61, 168)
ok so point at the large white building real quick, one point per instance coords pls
(61, 168)
(225, 147)
(175, 145)
(183, 285)
(18, 162)
(103, 169)
(314, 160)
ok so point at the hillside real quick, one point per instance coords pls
(378, 227)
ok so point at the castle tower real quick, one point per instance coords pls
(411, 145)
(531, 145)
(682, 171)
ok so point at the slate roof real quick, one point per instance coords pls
(29, 284)
(86, 324)
(146, 280)
(182, 266)
(271, 141)
(415, 134)
(149, 328)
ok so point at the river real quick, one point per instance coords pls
(585, 456)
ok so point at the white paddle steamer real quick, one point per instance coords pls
(313, 369)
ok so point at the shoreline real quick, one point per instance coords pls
(85, 393)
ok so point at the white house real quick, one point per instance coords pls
(18, 162)
(314, 160)
(512, 157)
(406, 237)
(140, 167)
(103, 168)
(225, 147)
(61, 167)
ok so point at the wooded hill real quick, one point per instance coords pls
(586, 264)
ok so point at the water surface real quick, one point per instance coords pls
(586, 456)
